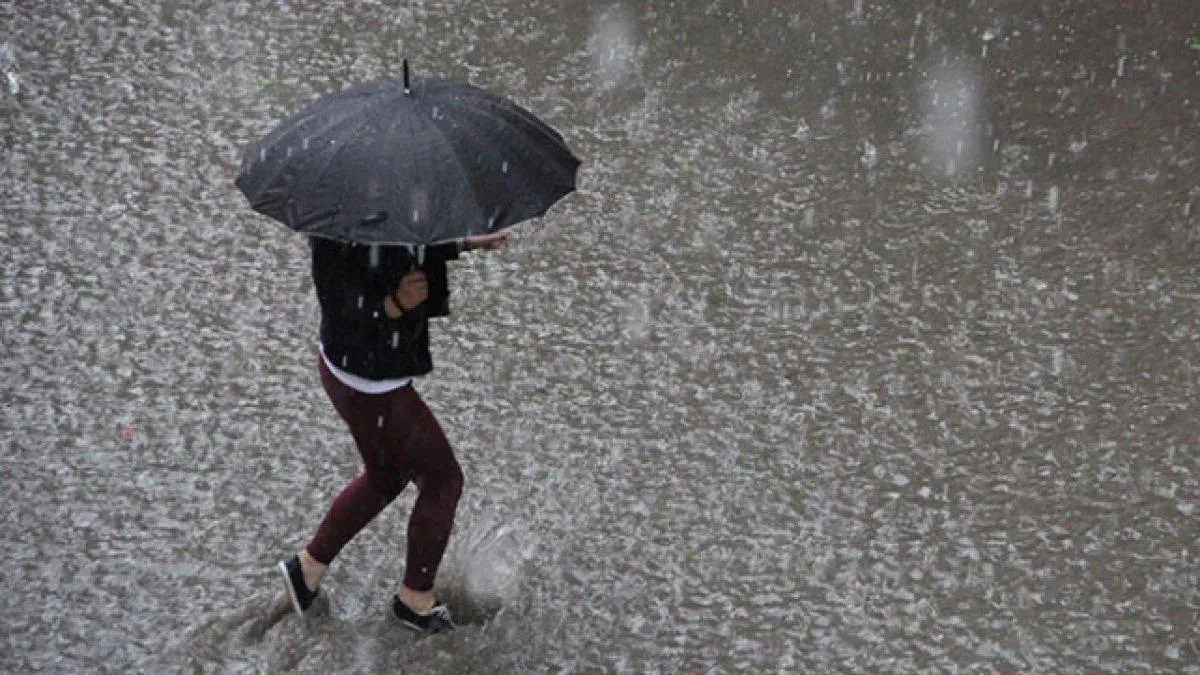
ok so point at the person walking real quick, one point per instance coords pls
(379, 175)
(376, 302)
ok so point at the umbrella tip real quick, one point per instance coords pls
(407, 90)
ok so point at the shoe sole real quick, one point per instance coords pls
(291, 590)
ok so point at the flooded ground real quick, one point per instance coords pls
(868, 344)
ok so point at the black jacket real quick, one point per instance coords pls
(352, 281)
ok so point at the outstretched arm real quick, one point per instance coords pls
(486, 242)
(414, 286)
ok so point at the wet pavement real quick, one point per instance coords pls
(868, 344)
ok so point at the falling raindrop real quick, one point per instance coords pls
(360, 302)
(379, 422)
(416, 215)
(373, 256)
(1121, 67)
(8, 64)
(305, 144)
(504, 167)
(829, 109)
(870, 154)
(1052, 199)
(395, 339)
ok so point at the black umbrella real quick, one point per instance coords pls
(415, 161)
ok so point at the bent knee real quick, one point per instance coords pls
(387, 483)
(446, 485)
(453, 484)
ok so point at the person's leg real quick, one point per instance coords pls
(427, 457)
(358, 504)
(369, 493)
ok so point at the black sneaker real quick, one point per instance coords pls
(436, 620)
(293, 580)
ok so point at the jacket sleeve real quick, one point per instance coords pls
(352, 280)
(437, 274)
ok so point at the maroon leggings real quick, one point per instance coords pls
(400, 441)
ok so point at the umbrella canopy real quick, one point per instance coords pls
(415, 161)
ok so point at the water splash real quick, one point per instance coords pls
(8, 66)
(870, 156)
(482, 569)
(612, 45)
(803, 130)
(950, 109)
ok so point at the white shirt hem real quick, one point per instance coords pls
(362, 384)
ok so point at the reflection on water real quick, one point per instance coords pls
(869, 343)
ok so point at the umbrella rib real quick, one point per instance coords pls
(464, 174)
(511, 108)
(487, 105)
(357, 130)
(382, 158)
(508, 105)
(511, 148)
(282, 167)
(547, 158)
